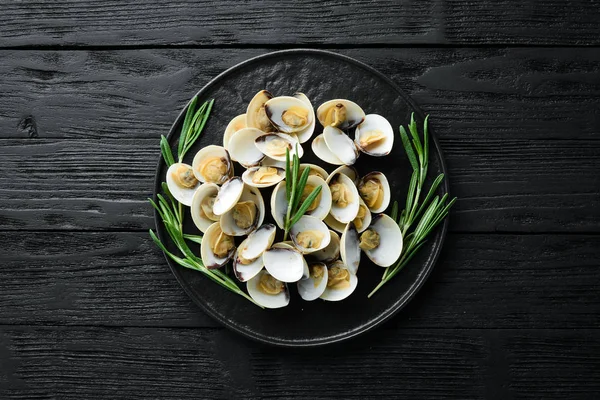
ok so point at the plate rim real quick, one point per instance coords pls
(396, 306)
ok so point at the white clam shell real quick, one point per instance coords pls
(308, 288)
(349, 171)
(228, 196)
(284, 264)
(341, 145)
(242, 148)
(331, 252)
(386, 190)
(334, 223)
(227, 222)
(181, 194)
(279, 300)
(349, 250)
(248, 175)
(315, 168)
(209, 259)
(209, 152)
(262, 144)
(305, 134)
(258, 242)
(367, 219)
(277, 106)
(308, 223)
(340, 294)
(268, 161)
(390, 241)
(279, 204)
(375, 122)
(319, 147)
(348, 213)
(354, 114)
(200, 220)
(245, 272)
(237, 123)
(254, 110)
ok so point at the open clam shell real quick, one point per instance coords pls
(349, 248)
(315, 284)
(242, 148)
(319, 147)
(279, 204)
(363, 218)
(212, 165)
(214, 237)
(258, 242)
(263, 176)
(374, 136)
(182, 182)
(331, 252)
(256, 116)
(273, 145)
(310, 234)
(344, 195)
(374, 189)
(265, 299)
(340, 113)
(237, 123)
(305, 134)
(239, 221)
(341, 145)
(202, 204)
(228, 196)
(349, 171)
(334, 223)
(314, 170)
(244, 269)
(289, 114)
(285, 264)
(390, 241)
(337, 290)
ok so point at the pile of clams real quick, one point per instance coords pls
(323, 253)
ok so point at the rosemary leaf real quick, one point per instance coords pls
(432, 191)
(288, 176)
(307, 202)
(394, 212)
(193, 238)
(410, 153)
(186, 125)
(165, 150)
(300, 188)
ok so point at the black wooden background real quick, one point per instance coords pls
(88, 306)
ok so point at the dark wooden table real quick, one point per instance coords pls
(88, 306)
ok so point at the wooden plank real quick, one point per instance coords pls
(214, 23)
(198, 363)
(121, 279)
(470, 92)
(503, 186)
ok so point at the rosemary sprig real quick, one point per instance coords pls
(171, 212)
(294, 188)
(429, 212)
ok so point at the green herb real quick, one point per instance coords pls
(429, 213)
(294, 189)
(171, 212)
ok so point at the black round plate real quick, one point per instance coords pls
(322, 76)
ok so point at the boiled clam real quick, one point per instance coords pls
(344, 196)
(305, 134)
(349, 248)
(315, 284)
(382, 241)
(243, 268)
(374, 136)
(258, 242)
(340, 113)
(182, 183)
(246, 214)
(202, 206)
(212, 165)
(256, 116)
(263, 176)
(274, 145)
(233, 126)
(289, 114)
(242, 148)
(331, 252)
(374, 189)
(341, 283)
(310, 234)
(217, 247)
(228, 195)
(284, 263)
(268, 291)
(341, 145)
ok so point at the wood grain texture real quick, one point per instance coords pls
(213, 364)
(508, 186)
(121, 279)
(215, 23)
(471, 93)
